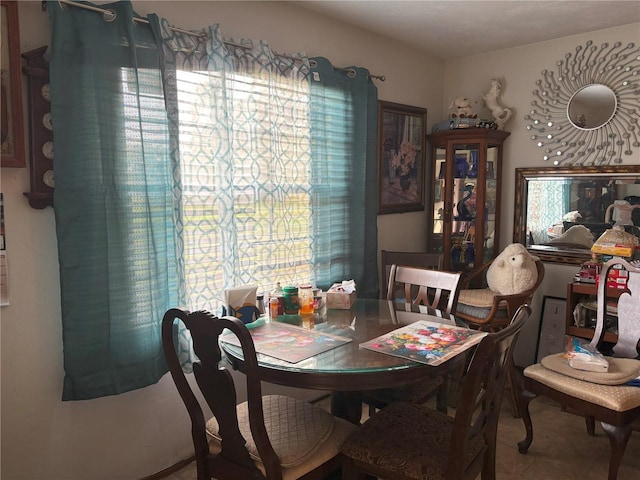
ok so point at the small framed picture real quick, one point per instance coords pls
(552, 328)
(11, 126)
(401, 157)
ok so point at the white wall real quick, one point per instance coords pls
(142, 432)
(519, 68)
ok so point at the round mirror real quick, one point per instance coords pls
(585, 113)
(592, 107)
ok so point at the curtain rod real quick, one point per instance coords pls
(110, 16)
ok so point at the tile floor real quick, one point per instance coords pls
(561, 449)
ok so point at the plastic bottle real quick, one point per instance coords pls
(278, 293)
(305, 296)
(274, 306)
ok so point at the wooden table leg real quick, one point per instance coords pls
(347, 405)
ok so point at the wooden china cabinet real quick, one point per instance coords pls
(465, 196)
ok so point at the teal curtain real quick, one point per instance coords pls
(114, 200)
(344, 178)
(184, 167)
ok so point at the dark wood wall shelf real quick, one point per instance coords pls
(40, 129)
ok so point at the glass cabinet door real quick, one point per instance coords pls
(465, 200)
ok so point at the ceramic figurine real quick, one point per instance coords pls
(500, 114)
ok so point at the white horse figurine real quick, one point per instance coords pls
(501, 114)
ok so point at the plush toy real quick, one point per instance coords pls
(462, 107)
(513, 271)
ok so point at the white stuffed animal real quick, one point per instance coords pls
(513, 271)
(462, 107)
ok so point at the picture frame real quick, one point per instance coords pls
(552, 327)
(401, 157)
(12, 120)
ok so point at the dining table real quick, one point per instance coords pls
(348, 369)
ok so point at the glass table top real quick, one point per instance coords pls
(368, 319)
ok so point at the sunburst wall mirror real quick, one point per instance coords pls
(586, 112)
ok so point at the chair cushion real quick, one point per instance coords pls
(621, 370)
(407, 439)
(295, 428)
(619, 398)
(477, 303)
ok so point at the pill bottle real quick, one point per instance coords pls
(291, 303)
(274, 305)
(279, 294)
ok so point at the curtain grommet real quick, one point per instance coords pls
(109, 15)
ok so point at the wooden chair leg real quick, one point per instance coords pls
(591, 425)
(618, 438)
(489, 467)
(511, 388)
(442, 396)
(525, 398)
(351, 473)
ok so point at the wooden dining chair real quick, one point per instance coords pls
(431, 261)
(412, 441)
(274, 437)
(433, 289)
(486, 310)
(601, 397)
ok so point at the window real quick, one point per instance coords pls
(246, 193)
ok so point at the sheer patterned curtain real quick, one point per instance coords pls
(274, 167)
(186, 165)
(113, 200)
(244, 142)
(552, 202)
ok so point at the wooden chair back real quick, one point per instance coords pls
(628, 308)
(421, 286)
(432, 261)
(217, 387)
(476, 418)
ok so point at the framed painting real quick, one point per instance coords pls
(401, 157)
(11, 124)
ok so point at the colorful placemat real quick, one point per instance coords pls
(288, 342)
(427, 342)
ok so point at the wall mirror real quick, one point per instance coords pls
(586, 112)
(551, 200)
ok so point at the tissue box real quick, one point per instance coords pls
(340, 300)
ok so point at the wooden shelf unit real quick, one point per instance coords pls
(576, 292)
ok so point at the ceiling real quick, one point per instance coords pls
(457, 28)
